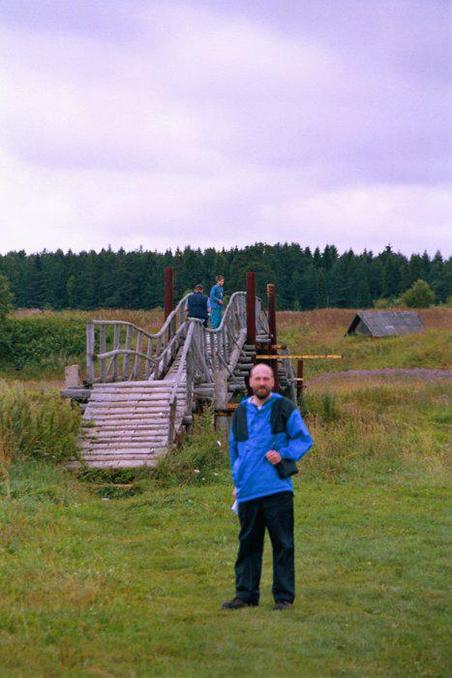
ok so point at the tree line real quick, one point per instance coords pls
(304, 278)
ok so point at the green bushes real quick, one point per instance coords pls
(36, 425)
(420, 295)
(43, 343)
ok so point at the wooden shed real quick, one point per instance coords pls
(385, 323)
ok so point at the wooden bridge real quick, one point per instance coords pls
(145, 388)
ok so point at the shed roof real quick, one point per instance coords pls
(387, 323)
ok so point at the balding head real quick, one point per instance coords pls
(261, 381)
(261, 368)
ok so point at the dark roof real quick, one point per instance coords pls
(387, 323)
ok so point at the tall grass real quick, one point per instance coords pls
(377, 430)
(202, 458)
(36, 424)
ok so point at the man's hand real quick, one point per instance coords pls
(234, 492)
(273, 457)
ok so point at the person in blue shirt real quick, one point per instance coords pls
(198, 305)
(216, 302)
(267, 437)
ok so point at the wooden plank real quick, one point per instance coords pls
(146, 434)
(156, 434)
(132, 463)
(100, 419)
(119, 444)
(303, 356)
(129, 402)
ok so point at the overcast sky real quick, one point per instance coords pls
(216, 123)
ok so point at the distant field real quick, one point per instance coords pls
(149, 320)
(324, 321)
(323, 331)
(320, 331)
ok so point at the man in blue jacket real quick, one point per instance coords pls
(267, 436)
(198, 305)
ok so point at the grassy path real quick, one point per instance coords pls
(132, 587)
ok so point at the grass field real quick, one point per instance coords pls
(124, 576)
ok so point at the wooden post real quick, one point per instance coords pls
(90, 351)
(250, 307)
(300, 378)
(116, 345)
(271, 298)
(168, 291)
(271, 302)
(72, 378)
(103, 349)
(220, 380)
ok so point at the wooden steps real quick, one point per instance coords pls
(126, 424)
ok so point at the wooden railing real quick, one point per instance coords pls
(193, 369)
(120, 351)
(225, 342)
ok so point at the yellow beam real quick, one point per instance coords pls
(307, 356)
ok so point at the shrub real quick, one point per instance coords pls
(42, 342)
(383, 303)
(37, 425)
(6, 297)
(419, 295)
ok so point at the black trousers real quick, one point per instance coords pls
(274, 512)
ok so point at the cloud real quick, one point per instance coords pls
(167, 124)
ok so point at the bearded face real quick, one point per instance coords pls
(261, 381)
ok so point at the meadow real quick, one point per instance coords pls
(122, 574)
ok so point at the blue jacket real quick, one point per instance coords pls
(216, 295)
(252, 474)
(198, 306)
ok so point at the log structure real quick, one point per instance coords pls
(143, 389)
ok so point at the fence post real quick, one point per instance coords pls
(168, 290)
(90, 351)
(271, 305)
(250, 307)
(220, 380)
(300, 378)
(271, 299)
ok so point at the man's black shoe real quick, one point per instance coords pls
(236, 604)
(282, 605)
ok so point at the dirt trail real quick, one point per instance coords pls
(414, 372)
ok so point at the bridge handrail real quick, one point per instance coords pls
(193, 366)
(117, 350)
(230, 335)
(126, 340)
